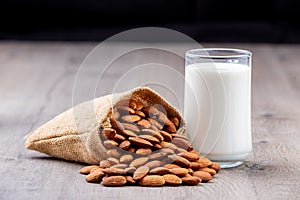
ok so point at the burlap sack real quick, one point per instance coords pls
(74, 134)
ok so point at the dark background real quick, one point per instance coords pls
(274, 21)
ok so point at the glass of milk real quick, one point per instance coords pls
(217, 103)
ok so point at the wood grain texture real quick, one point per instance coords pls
(36, 83)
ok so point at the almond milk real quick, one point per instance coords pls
(217, 110)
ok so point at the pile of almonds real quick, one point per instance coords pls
(144, 149)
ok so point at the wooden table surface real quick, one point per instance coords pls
(36, 83)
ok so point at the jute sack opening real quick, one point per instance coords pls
(74, 134)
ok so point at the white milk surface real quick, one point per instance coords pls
(217, 110)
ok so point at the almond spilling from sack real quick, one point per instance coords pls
(143, 148)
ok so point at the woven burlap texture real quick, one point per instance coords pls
(74, 134)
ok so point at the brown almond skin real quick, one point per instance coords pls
(87, 169)
(143, 151)
(109, 133)
(159, 171)
(128, 133)
(215, 166)
(166, 150)
(204, 176)
(114, 181)
(109, 144)
(95, 176)
(204, 162)
(131, 127)
(179, 171)
(126, 158)
(157, 156)
(140, 172)
(140, 113)
(174, 135)
(209, 170)
(171, 179)
(125, 145)
(153, 164)
(180, 161)
(155, 123)
(167, 136)
(115, 153)
(181, 143)
(192, 180)
(114, 171)
(150, 138)
(132, 104)
(175, 121)
(171, 166)
(120, 166)
(139, 162)
(130, 180)
(116, 125)
(130, 170)
(170, 127)
(150, 111)
(113, 161)
(131, 150)
(190, 156)
(140, 142)
(115, 115)
(168, 145)
(104, 164)
(126, 110)
(153, 133)
(144, 123)
(131, 118)
(139, 105)
(119, 138)
(152, 181)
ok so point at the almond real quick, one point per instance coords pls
(87, 169)
(140, 142)
(152, 181)
(113, 161)
(114, 171)
(180, 150)
(114, 181)
(192, 180)
(182, 143)
(131, 150)
(109, 133)
(174, 135)
(159, 171)
(168, 145)
(155, 123)
(126, 110)
(179, 171)
(195, 165)
(115, 114)
(120, 166)
(215, 166)
(131, 127)
(209, 170)
(204, 176)
(179, 161)
(130, 180)
(204, 162)
(140, 113)
(157, 146)
(104, 164)
(110, 144)
(150, 138)
(144, 123)
(143, 151)
(132, 103)
(150, 111)
(175, 121)
(170, 127)
(114, 153)
(166, 150)
(153, 133)
(171, 179)
(171, 166)
(116, 125)
(152, 164)
(140, 172)
(127, 158)
(128, 133)
(157, 156)
(95, 176)
(167, 136)
(119, 138)
(125, 145)
(131, 118)
(189, 156)
(139, 162)
(130, 170)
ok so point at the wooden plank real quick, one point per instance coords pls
(37, 82)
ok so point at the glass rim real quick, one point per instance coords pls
(206, 53)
